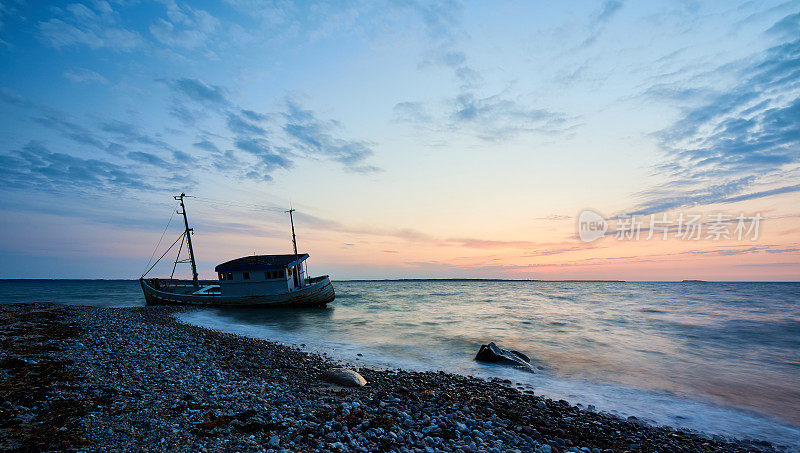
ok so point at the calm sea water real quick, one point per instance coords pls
(721, 358)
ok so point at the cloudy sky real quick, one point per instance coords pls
(415, 139)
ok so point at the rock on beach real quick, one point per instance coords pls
(492, 353)
(344, 377)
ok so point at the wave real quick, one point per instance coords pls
(654, 407)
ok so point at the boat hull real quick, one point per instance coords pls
(318, 294)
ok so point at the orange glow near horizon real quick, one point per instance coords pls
(554, 253)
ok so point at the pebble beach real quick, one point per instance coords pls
(135, 379)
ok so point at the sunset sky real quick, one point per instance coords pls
(415, 139)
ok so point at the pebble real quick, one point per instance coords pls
(344, 376)
(139, 379)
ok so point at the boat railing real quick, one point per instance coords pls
(176, 285)
(313, 280)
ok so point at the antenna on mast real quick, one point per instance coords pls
(189, 232)
(291, 220)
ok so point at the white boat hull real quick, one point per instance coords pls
(317, 294)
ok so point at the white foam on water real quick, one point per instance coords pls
(648, 406)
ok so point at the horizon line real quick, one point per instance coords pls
(447, 279)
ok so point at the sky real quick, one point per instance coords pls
(414, 139)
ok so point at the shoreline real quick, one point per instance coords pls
(89, 378)
(34, 279)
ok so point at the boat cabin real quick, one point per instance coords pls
(262, 274)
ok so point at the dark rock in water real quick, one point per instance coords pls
(495, 354)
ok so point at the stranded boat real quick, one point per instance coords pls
(250, 281)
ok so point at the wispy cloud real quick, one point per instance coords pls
(185, 27)
(556, 217)
(316, 137)
(412, 112)
(15, 99)
(551, 251)
(275, 140)
(269, 157)
(490, 244)
(70, 129)
(788, 27)
(199, 91)
(253, 115)
(762, 194)
(770, 265)
(441, 19)
(140, 147)
(497, 117)
(738, 250)
(148, 158)
(96, 27)
(597, 25)
(241, 125)
(206, 145)
(83, 75)
(36, 167)
(737, 138)
(130, 133)
(488, 115)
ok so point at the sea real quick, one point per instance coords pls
(716, 358)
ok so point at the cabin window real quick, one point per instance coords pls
(221, 276)
(278, 274)
(229, 276)
(246, 275)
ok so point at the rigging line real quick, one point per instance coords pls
(162, 237)
(241, 205)
(238, 204)
(164, 254)
(176, 259)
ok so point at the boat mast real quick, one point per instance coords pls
(294, 239)
(189, 232)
